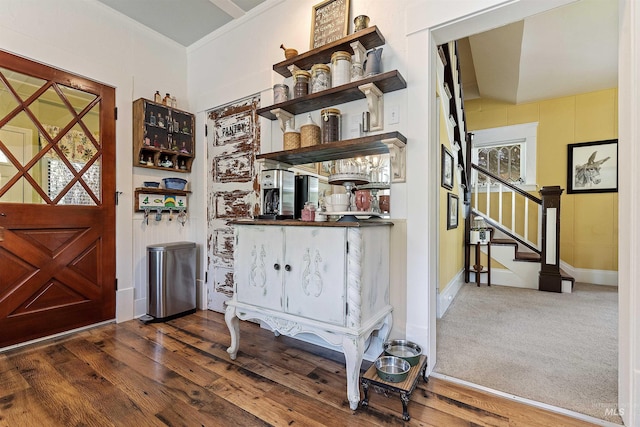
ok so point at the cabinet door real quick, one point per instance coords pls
(315, 284)
(258, 266)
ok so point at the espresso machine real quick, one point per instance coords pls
(307, 187)
(276, 194)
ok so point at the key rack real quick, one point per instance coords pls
(155, 199)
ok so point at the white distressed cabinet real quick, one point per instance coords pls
(330, 280)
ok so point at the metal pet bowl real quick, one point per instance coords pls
(404, 349)
(392, 369)
(174, 183)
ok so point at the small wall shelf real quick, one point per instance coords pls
(160, 199)
(162, 137)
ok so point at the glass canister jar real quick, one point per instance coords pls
(280, 93)
(331, 124)
(320, 78)
(308, 212)
(340, 68)
(301, 83)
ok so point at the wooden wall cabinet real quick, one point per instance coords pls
(320, 280)
(163, 137)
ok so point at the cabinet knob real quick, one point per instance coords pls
(276, 266)
(287, 267)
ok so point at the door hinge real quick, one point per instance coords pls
(347, 247)
(116, 283)
(118, 193)
(206, 130)
(206, 277)
(346, 309)
(115, 113)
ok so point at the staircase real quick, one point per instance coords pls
(526, 229)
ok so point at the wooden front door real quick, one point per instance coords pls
(57, 207)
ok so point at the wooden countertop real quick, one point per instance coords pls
(300, 223)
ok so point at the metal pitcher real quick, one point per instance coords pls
(373, 63)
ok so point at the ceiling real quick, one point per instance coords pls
(568, 50)
(184, 21)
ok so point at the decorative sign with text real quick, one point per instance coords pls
(330, 21)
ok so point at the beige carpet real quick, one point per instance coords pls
(559, 349)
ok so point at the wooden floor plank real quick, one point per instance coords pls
(54, 392)
(179, 373)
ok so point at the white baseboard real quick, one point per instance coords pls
(141, 307)
(124, 305)
(201, 294)
(445, 298)
(594, 277)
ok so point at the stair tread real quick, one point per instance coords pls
(503, 242)
(527, 256)
(567, 276)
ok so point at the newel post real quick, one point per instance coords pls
(550, 279)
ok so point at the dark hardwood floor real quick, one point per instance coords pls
(179, 374)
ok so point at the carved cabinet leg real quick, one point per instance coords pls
(233, 323)
(353, 348)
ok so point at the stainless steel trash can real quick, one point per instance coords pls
(172, 280)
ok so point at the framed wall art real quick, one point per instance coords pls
(593, 167)
(329, 22)
(452, 211)
(446, 179)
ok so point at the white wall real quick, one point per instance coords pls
(87, 38)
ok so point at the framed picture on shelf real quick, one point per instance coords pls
(593, 167)
(446, 179)
(329, 22)
(452, 211)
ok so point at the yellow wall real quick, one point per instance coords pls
(589, 222)
(451, 241)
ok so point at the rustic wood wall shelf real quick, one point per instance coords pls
(369, 38)
(365, 146)
(386, 82)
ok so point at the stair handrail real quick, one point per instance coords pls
(506, 183)
(495, 224)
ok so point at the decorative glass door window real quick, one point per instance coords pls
(50, 150)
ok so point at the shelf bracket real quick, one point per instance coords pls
(292, 68)
(283, 117)
(375, 104)
(358, 51)
(397, 159)
(272, 164)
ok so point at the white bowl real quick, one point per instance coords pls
(339, 199)
(340, 207)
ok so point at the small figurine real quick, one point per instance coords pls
(166, 163)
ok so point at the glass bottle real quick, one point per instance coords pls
(157, 97)
(174, 102)
(160, 121)
(167, 100)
